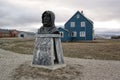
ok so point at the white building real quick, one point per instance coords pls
(23, 34)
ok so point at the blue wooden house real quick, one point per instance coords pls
(77, 28)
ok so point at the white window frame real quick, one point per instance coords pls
(78, 16)
(74, 34)
(72, 24)
(82, 34)
(62, 33)
(83, 24)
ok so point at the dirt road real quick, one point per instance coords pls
(77, 69)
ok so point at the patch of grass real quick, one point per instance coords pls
(98, 49)
(23, 46)
(103, 49)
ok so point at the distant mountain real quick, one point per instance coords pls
(102, 36)
(106, 34)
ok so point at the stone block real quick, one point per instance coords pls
(48, 50)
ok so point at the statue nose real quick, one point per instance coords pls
(46, 18)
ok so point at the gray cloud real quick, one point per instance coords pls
(16, 13)
(99, 10)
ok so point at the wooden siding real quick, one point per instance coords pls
(8, 33)
(66, 36)
(78, 28)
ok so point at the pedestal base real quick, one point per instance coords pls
(57, 66)
(48, 51)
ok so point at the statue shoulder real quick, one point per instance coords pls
(40, 30)
(55, 30)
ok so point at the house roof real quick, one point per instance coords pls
(64, 29)
(7, 30)
(82, 15)
(4, 31)
(31, 33)
(85, 17)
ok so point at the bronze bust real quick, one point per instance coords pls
(48, 27)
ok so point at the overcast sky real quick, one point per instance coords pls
(26, 14)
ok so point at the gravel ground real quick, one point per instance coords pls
(88, 69)
(9, 61)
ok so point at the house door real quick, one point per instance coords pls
(22, 35)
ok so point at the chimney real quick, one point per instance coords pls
(82, 11)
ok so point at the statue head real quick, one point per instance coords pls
(48, 19)
(48, 27)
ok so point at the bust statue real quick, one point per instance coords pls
(48, 27)
(48, 49)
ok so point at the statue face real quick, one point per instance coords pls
(46, 20)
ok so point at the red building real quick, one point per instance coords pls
(8, 33)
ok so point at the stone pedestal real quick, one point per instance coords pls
(48, 50)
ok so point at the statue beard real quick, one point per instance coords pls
(46, 25)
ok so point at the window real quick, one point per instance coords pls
(72, 24)
(83, 24)
(62, 34)
(73, 34)
(78, 16)
(82, 34)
